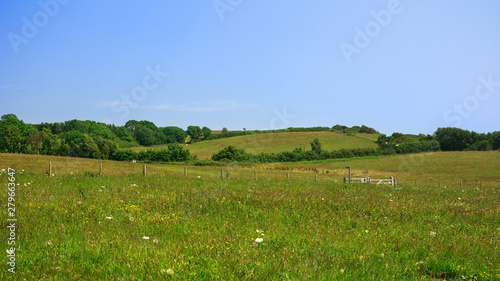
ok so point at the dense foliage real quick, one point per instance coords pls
(386, 147)
(90, 139)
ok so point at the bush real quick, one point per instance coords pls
(231, 153)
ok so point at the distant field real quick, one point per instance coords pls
(77, 225)
(470, 167)
(449, 168)
(278, 142)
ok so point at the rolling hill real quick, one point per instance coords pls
(278, 142)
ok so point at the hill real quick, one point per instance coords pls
(278, 142)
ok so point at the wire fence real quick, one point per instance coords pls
(97, 168)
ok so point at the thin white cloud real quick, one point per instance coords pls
(12, 86)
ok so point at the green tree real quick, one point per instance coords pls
(316, 146)
(384, 141)
(15, 135)
(145, 136)
(195, 132)
(231, 153)
(207, 133)
(49, 141)
(174, 134)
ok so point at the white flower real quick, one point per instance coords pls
(109, 218)
(258, 231)
(199, 177)
(155, 241)
(145, 237)
(170, 271)
(366, 231)
(258, 240)
(49, 243)
(433, 233)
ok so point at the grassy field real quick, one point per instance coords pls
(278, 142)
(125, 226)
(449, 168)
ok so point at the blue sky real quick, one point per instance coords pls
(398, 66)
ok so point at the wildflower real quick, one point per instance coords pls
(155, 241)
(433, 233)
(382, 255)
(199, 177)
(258, 240)
(258, 231)
(170, 271)
(342, 270)
(49, 243)
(459, 198)
(109, 218)
(366, 231)
(145, 238)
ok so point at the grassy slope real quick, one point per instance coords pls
(205, 228)
(278, 142)
(471, 167)
(426, 168)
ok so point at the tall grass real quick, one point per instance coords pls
(77, 226)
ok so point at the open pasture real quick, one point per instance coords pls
(126, 226)
(278, 142)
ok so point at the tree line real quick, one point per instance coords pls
(90, 139)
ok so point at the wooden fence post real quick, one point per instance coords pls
(315, 177)
(255, 174)
(144, 170)
(439, 184)
(185, 172)
(349, 174)
(460, 184)
(100, 169)
(50, 169)
(221, 174)
(287, 176)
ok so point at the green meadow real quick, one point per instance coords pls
(278, 142)
(79, 225)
